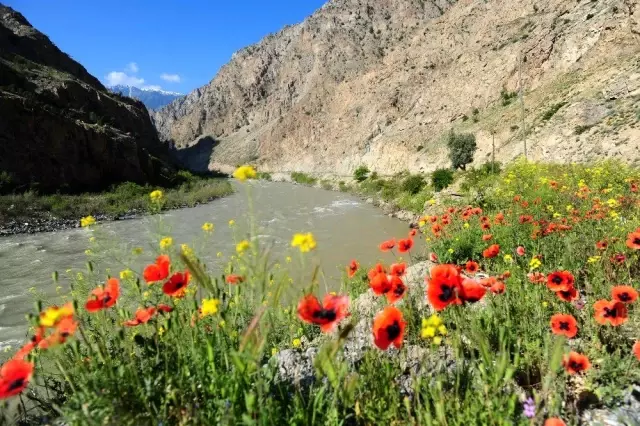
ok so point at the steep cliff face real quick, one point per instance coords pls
(380, 82)
(60, 129)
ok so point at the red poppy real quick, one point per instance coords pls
(377, 269)
(497, 288)
(575, 363)
(433, 257)
(436, 229)
(380, 283)
(433, 219)
(164, 308)
(177, 284)
(624, 294)
(636, 349)
(157, 271)
(520, 251)
(602, 245)
(388, 245)
(234, 279)
(525, 219)
(554, 421)
(491, 251)
(413, 232)
(405, 245)
(104, 297)
(537, 277)
(14, 377)
(485, 226)
(352, 268)
(618, 258)
(633, 187)
(444, 286)
(487, 237)
(564, 325)
(611, 312)
(388, 328)
(569, 295)
(633, 240)
(398, 269)
(472, 291)
(31, 345)
(398, 289)
(472, 267)
(499, 218)
(560, 281)
(142, 316)
(333, 309)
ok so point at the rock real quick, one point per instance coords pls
(626, 414)
(369, 200)
(296, 367)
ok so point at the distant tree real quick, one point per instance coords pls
(462, 147)
(361, 173)
(441, 178)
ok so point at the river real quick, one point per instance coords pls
(344, 226)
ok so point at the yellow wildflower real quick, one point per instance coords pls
(550, 208)
(88, 252)
(222, 323)
(612, 203)
(428, 332)
(156, 196)
(186, 250)
(421, 223)
(274, 351)
(126, 274)
(297, 343)
(594, 259)
(613, 214)
(305, 242)
(232, 222)
(166, 242)
(466, 225)
(50, 316)
(545, 304)
(209, 307)
(507, 258)
(146, 294)
(242, 246)
(288, 259)
(243, 173)
(161, 331)
(450, 250)
(431, 202)
(433, 329)
(207, 227)
(535, 263)
(137, 250)
(437, 340)
(92, 239)
(87, 221)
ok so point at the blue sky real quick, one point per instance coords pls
(177, 45)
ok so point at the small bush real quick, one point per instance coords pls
(580, 129)
(482, 176)
(303, 178)
(361, 173)
(413, 184)
(507, 96)
(552, 111)
(373, 176)
(462, 147)
(264, 176)
(441, 178)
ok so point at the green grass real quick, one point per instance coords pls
(121, 199)
(303, 178)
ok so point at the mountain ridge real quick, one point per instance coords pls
(381, 83)
(151, 98)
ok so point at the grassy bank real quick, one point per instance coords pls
(550, 331)
(123, 199)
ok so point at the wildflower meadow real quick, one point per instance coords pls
(530, 291)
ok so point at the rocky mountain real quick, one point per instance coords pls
(380, 82)
(60, 128)
(151, 98)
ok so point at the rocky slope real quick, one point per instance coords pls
(60, 129)
(380, 82)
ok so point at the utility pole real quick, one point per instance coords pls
(524, 130)
(493, 150)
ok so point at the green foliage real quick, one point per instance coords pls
(441, 178)
(507, 97)
(264, 176)
(480, 176)
(552, 111)
(413, 184)
(361, 173)
(581, 128)
(413, 202)
(462, 147)
(303, 178)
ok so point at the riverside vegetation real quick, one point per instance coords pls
(30, 211)
(532, 292)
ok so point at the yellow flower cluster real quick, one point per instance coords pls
(87, 221)
(53, 314)
(209, 307)
(156, 196)
(535, 263)
(433, 329)
(126, 274)
(166, 242)
(305, 242)
(207, 227)
(243, 173)
(242, 246)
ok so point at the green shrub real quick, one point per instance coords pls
(303, 178)
(413, 202)
(462, 147)
(552, 111)
(264, 176)
(441, 178)
(373, 175)
(361, 173)
(480, 177)
(413, 184)
(580, 129)
(507, 96)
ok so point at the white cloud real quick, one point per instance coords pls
(115, 78)
(172, 78)
(132, 68)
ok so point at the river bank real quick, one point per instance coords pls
(30, 213)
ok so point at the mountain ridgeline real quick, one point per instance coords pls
(151, 98)
(60, 128)
(381, 83)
